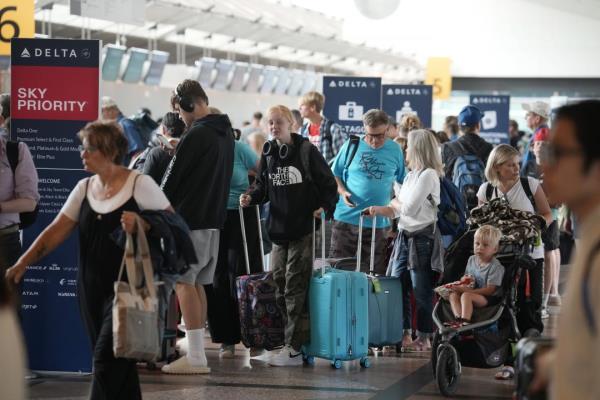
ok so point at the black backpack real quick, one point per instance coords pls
(12, 153)
(145, 125)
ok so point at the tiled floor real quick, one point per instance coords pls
(391, 376)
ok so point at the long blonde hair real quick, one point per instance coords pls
(423, 152)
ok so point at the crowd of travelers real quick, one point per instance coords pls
(194, 172)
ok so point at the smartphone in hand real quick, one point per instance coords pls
(165, 141)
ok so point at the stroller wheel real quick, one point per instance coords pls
(434, 346)
(447, 370)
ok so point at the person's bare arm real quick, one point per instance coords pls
(17, 206)
(542, 206)
(345, 193)
(50, 238)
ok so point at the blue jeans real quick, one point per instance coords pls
(421, 277)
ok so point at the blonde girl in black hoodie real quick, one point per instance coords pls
(297, 181)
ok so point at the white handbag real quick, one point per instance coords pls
(135, 311)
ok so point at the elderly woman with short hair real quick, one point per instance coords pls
(98, 205)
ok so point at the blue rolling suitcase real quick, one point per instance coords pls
(385, 304)
(339, 322)
(385, 294)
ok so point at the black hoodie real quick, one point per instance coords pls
(293, 197)
(198, 177)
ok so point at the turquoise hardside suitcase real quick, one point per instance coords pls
(338, 309)
(339, 321)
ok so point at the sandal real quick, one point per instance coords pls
(505, 374)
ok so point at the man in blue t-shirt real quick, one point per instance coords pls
(365, 172)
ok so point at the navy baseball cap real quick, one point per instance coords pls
(469, 116)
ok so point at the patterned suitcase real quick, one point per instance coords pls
(262, 322)
(339, 322)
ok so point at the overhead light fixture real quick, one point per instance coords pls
(310, 82)
(206, 66)
(238, 79)
(283, 81)
(111, 64)
(297, 83)
(269, 80)
(254, 78)
(135, 65)
(156, 67)
(223, 78)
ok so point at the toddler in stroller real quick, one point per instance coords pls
(486, 272)
(476, 326)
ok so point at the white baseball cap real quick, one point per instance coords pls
(107, 102)
(538, 107)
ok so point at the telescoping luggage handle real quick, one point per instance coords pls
(314, 239)
(359, 251)
(361, 222)
(245, 241)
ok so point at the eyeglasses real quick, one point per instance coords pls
(555, 153)
(89, 149)
(378, 136)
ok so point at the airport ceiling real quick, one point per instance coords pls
(263, 31)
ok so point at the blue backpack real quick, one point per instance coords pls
(468, 174)
(452, 211)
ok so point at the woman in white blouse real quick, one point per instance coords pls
(418, 242)
(97, 206)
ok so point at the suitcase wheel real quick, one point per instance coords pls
(337, 364)
(365, 362)
(308, 360)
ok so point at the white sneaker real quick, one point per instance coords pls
(545, 314)
(287, 357)
(256, 352)
(182, 366)
(227, 351)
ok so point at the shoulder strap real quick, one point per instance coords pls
(134, 182)
(327, 132)
(12, 153)
(585, 293)
(87, 183)
(488, 191)
(304, 129)
(305, 148)
(354, 142)
(528, 193)
(352, 149)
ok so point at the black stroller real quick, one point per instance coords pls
(486, 342)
